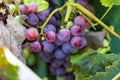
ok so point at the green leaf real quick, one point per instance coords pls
(59, 2)
(110, 72)
(108, 3)
(42, 4)
(89, 64)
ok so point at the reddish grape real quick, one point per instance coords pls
(35, 46)
(49, 27)
(50, 36)
(31, 34)
(23, 9)
(32, 7)
(77, 30)
(81, 21)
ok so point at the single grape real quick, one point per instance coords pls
(33, 19)
(57, 62)
(84, 43)
(23, 9)
(50, 36)
(49, 27)
(70, 76)
(48, 47)
(67, 48)
(78, 42)
(81, 21)
(53, 21)
(77, 30)
(67, 64)
(47, 57)
(64, 35)
(44, 14)
(32, 7)
(35, 46)
(60, 71)
(58, 42)
(83, 2)
(59, 54)
(52, 70)
(31, 34)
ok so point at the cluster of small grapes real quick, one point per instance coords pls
(59, 44)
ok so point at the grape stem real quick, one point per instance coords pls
(62, 15)
(89, 14)
(45, 23)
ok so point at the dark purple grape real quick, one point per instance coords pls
(60, 71)
(23, 9)
(78, 42)
(50, 36)
(81, 21)
(57, 62)
(64, 35)
(83, 2)
(33, 19)
(67, 64)
(58, 42)
(49, 27)
(70, 76)
(35, 46)
(77, 30)
(48, 47)
(47, 57)
(59, 54)
(67, 48)
(52, 70)
(31, 34)
(32, 7)
(53, 21)
(44, 14)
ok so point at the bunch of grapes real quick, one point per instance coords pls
(60, 43)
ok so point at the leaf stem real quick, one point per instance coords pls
(62, 15)
(89, 14)
(106, 12)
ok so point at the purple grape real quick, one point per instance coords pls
(57, 62)
(78, 42)
(32, 7)
(59, 54)
(44, 14)
(81, 21)
(35, 46)
(48, 47)
(64, 35)
(47, 57)
(83, 2)
(52, 70)
(67, 48)
(70, 76)
(58, 42)
(60, 71)
(33, 19)
(49, 27)
(53, 21)
(77, 30)
(50, 36)
(67, 64)
(67, 57)
(23, 9)
(31, 34)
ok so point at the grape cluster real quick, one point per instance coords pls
(59, 44)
